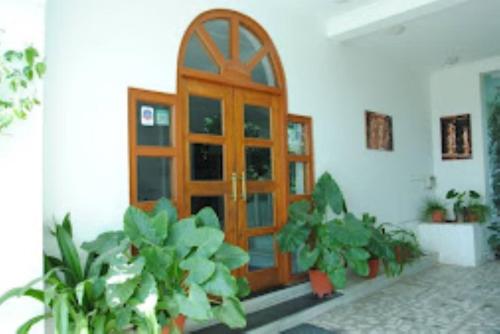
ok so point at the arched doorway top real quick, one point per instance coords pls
(230, 47)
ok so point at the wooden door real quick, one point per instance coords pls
(234, 164)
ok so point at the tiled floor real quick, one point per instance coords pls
(444, 299)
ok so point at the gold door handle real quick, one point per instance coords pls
(234, 184)
(244, 186)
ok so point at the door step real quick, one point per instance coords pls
(288, 308)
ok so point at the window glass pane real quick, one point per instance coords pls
(261, 251)
(249, 44)
(197, 56)
(153, 178)
(258, 163)
(206, 162)
(263, 73)
(214, 202)
(297, 178)
(153, 124)
(257, 123)
(296, 139)
(205, 115)
(260, 210)
(219, 31)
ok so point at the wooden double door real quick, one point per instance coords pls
(234, 163)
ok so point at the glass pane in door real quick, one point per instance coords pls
(214, 202)
(206, 162)
(258, 163)
(260, 210)
(257, 122)
(153, 178)
(296, 139)
(297, 178)
(262, 254)
(153, 124)
(205, 115)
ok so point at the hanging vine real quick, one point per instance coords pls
(494, 149)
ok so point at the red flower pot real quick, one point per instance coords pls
(320, 283)
(374, 265)
(438, 216)
(179, 321)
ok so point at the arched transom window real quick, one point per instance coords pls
(232, 46)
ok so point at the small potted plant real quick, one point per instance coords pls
(476, 212)
(433, 210)
(494, 238)
(380, 249)
(326, 244)
(405, 245)
(459, 200)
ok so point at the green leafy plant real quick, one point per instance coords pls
(494, 238)
(433, 207)
(380, 246)
(494, 149)
(326, 236)
(155, 269)
(461, 200)
(20, 72)
(404, 243)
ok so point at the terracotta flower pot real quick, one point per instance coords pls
(320, 283)
(179, 321)
(374, 265)
(471, 218)
(438, 216)
(402, 254)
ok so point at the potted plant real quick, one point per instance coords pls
(405, 245)
(463, 200)
(477, 212)
(433, 210)
(380, 249)
(182, 269)
(328, 239)
(494, 238)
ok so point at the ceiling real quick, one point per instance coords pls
(465, 32)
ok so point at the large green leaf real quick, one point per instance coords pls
(122, 280)
(350, 232)
(28, 290)
(26, 327)
(330, 259)
(66, 224)
(94, 269)
(221, 283)
(231, 313)
(147, 298)
(165, 205)
(292, 236)
(104, 242)
(307, 258)
(327, 193)
(140, 228)
(207, 240)
(200, 269)
(208, 217)
(196, 305)
(243, 287)
(179, 236)
(70, 256)
(98, 324)
(338, 277)
(61, 314)
(158, 260)
(231, 256)
(119, 294)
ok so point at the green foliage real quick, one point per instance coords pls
(180, 267)
(20, 72)
(405, 245)
(494, 149)
(430, 206)
(468, 203)
(494, 238)
(324, 242)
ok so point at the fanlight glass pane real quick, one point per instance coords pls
(153, 178)
(260, 210)
(263, 73)
(219, 31)
(197, 56)
(205, 115)
(249, 44)
(261, 251)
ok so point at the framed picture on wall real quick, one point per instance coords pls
(379, 131)
(456, 140)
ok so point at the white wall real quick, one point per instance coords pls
(97, 49)
(457, 90)
(21, 179)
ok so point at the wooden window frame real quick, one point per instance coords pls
(136, 151)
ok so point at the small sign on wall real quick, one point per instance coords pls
(379, 131)
(147, 116)
(456, 140)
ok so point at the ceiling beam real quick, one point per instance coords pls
(382, 14)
